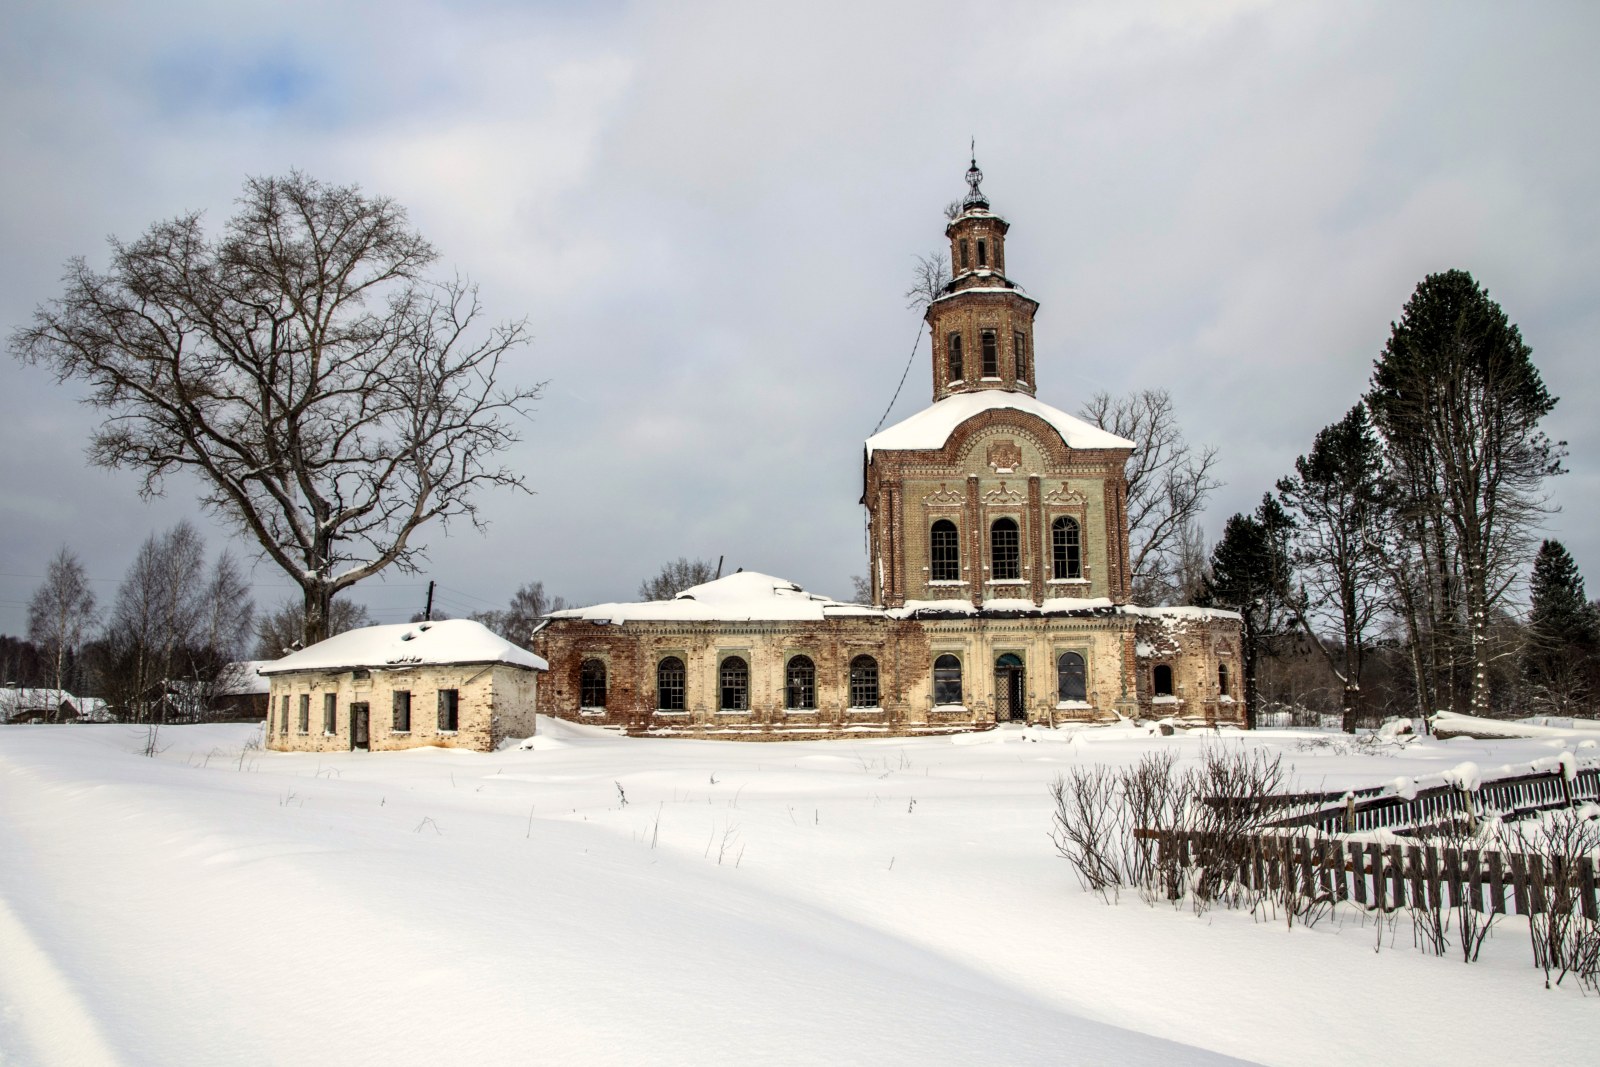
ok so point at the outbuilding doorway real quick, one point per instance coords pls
(358, 726)
(1010, 695)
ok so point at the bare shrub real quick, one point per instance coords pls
(1564, 941)
(1090, 827)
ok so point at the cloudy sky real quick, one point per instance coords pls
(709, 212)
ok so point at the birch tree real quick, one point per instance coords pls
(60, 614)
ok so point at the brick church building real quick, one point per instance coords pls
(1001, 588)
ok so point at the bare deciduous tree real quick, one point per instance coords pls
(1168, 481)
(517, 622)
(931, 276)
(278, 633)
(331, 400)
(173, 627)
(675, 577)
(60, 614)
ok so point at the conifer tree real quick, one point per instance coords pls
(1458, 401)
(1563, 635)
(1250, 573)
(1340, 503)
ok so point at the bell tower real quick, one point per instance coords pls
(982, 322)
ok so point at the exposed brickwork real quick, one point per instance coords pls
(495, 702)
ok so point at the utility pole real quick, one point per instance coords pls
(427, 612)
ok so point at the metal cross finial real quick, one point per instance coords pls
(974, 176)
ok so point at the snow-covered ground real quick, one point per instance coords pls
(878, 901)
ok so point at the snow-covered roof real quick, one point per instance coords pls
(28, 699)
(241, 678)
(750, 596)
(741, 597)
(448, 641)
(931, 427)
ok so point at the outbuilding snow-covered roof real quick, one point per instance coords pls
(414, 644)
(931, 427)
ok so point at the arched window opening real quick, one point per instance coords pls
(1222, 679)
(991, 354)
(962, 244)
(1005, 564)
(1071, 684)
(863, 682)
(947, 680)
(669, 684)
(944, 552)
(800, 684)
(954, 345)
(1066, 553)
(1019, 352)
(1161, 680)
(734, 681)
(983, 252)
(592, 684)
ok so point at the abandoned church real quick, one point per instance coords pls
(999, 569)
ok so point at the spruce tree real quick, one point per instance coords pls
(1563, 636)
(1250, 573)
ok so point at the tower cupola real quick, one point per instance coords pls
(982, 322)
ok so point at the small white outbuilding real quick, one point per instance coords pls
(450, 684)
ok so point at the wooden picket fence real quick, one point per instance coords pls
(1387, 876)
(1511, 797)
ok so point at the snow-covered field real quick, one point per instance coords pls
(806, 902)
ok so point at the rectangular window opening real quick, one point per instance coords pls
(991, 355)
(449, 709)
(402, 711)
(330, 713)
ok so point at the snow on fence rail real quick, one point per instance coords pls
(1465, 797)
(1389, 876)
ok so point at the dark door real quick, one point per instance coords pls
(358, 726)
(1010, 699)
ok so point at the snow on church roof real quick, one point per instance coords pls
(931, 427)
(412, 644)
(742, 597)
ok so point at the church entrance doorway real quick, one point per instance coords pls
(358, 726)
(1010, 700)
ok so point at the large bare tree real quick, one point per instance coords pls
(331, 398)
(60, 614)
(1168, 482)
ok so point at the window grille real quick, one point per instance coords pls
(734, 679)
(669, 684)
(954, 345)
(800, 684)
(947, 680)
(1066, 552)
(1019, 351)
(592, 684)
(863, 682)
(1004, 551)
(1071, 684)
(991, 354)
(945, 552)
